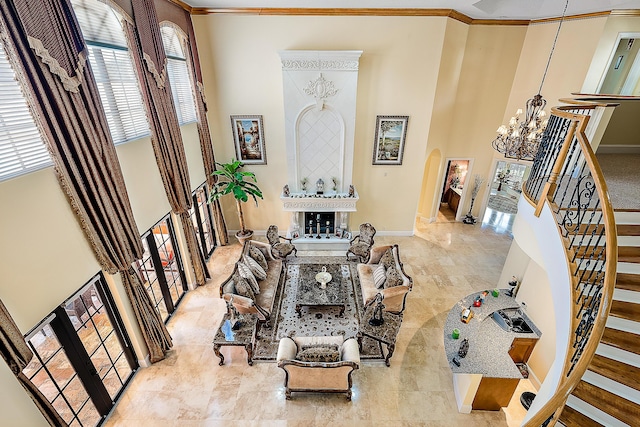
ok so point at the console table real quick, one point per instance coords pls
(244, 336)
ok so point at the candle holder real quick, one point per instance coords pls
(377, 319)
(310, 228)
(328, 229)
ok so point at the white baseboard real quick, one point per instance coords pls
(535, 381)
(618, 149)
(146, 362)
(399, 233)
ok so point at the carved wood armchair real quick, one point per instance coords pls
(278, 248)
(362, 243)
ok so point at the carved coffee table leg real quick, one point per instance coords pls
(298, 307)
(359, 338)
(249, 349)
(342, 308)
(390, 348)
(216, 350)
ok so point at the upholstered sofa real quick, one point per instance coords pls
(316, 375)
(261, 302)
(394, 288)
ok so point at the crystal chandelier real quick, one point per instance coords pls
(521, 138)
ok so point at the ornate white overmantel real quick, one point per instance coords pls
(320, 90)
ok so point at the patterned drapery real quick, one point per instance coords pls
(150, 61)
(44, 42)
(206, 146)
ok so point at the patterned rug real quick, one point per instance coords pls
(503, 204)
(315, 321)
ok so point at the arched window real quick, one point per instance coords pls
(113, 69)
(178, 72)
(21, 147)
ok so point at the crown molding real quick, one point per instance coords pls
(182, 4)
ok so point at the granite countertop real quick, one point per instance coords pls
(488, 343)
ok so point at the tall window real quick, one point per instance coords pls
(21, 147)
(178, 72)
(113, 69)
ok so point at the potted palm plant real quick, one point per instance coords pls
(231, 180)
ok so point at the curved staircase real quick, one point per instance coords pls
(609, 392)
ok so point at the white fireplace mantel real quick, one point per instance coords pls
(301, 202)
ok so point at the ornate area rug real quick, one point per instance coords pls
(315, 321)
(503, 204)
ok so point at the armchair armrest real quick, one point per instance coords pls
(287, 350)
(350, 351)
(354, 238)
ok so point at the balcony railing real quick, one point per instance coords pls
(566, 177)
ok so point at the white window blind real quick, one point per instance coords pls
(112, 69)
(21, 147)
(178, 73)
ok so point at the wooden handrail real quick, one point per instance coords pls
(553, 408)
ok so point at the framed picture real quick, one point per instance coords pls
(346, 235)
(388, 146)
(295, 235)
(339, 232)
(248, 137)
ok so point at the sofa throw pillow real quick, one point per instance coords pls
(243, 288)
(319, 353)
(387, 259)
(257, 255)
(255, 268)
(393, 278)
(229, 287)
(379, 276)
(245, 273)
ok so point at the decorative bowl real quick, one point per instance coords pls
(323, 278)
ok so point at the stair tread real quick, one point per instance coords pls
(628, 229)
(610, 403)
(617, 371)
(625, 310)
(629, 254)
(628, 281)
(572, 418)
(621, 339)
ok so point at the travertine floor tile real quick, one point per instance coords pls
(446, 260)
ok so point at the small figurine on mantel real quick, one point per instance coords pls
(352, 191)
(285, 190)
(320, 186)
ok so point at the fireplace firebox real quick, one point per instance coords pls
(326, 220)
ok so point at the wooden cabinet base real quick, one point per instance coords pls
(494, 393)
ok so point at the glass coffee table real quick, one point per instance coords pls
(244, 336)
(310, 292)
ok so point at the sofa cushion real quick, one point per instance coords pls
(379, 276)
(257, 255)
(243, 288)
(229, 287)
(246, 273)
(387, 259)
(319, 353)
(255, 267)
(269, 286)
(393, 278)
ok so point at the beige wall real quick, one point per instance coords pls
(623, 127)
(398, 75)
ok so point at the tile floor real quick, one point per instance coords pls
(446, 260)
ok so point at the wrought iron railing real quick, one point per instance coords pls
(566, 176)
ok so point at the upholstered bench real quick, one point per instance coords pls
(252, 289)
(384, 274)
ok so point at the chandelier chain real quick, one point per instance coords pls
(553, 46)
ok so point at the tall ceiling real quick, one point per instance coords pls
(476, 9)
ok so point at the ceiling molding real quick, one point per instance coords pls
(450, 13)
(454, 14)
(181, 4)
(625, 12)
